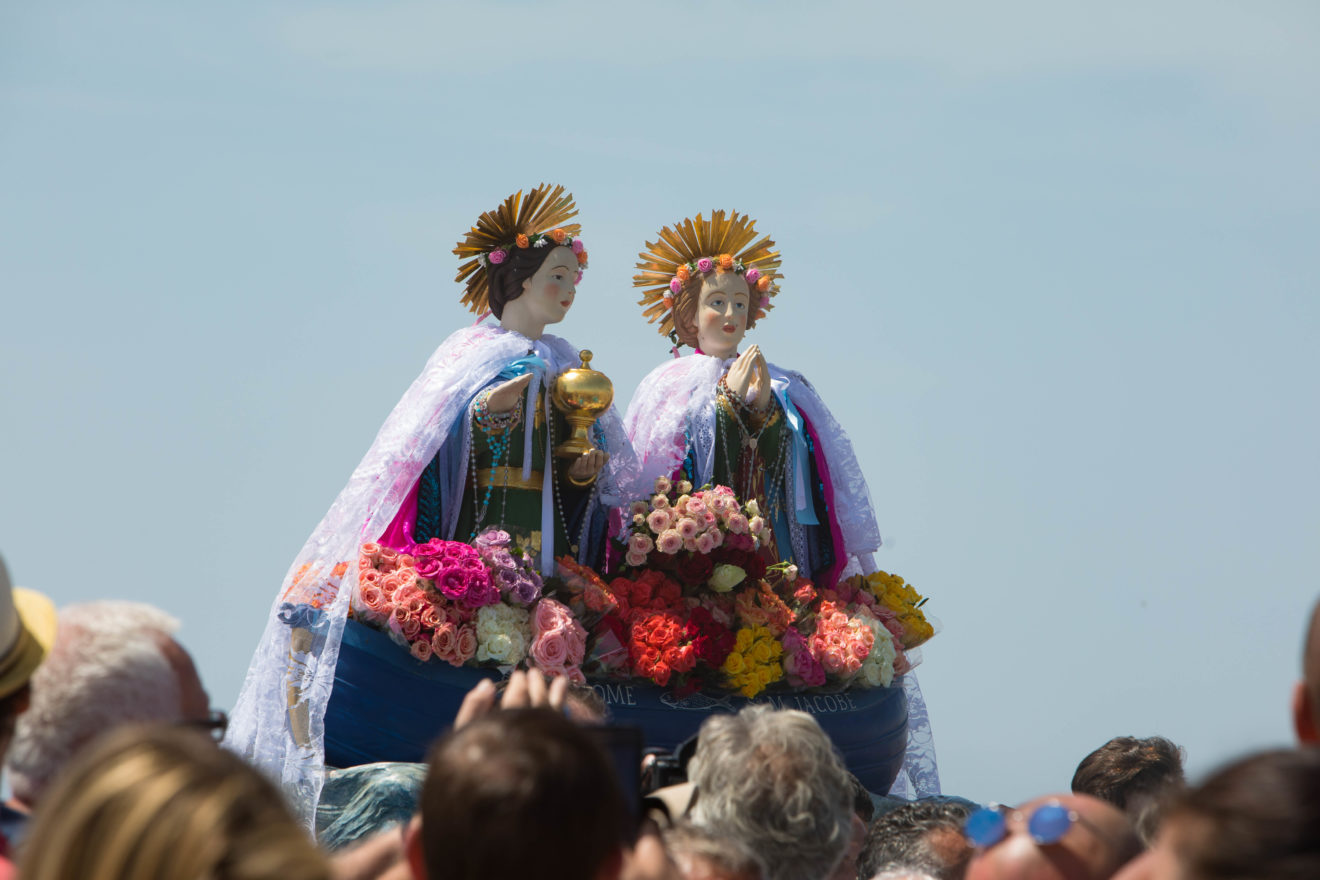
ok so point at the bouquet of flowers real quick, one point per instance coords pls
(697, 606)
(478, 603)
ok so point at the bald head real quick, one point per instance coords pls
(1306, 695)
(1094, 848)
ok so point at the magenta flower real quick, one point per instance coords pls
(675, 285)
(705, 264)
(497, 256)
(752, 275)
(578, 246)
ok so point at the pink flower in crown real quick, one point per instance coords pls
(577, 279)
(752, 275)
(497, 256)
(764, 303)
(669, 542)
(578, 246)
(705, 264)
(675, 285)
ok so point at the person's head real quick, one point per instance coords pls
(1256, 819)
(771, 779)
(1135, 775)
(112, 663)
(701, 855)
(523, 260)
(708, 282)
(1076, 837)
(536, 284)
(165, 803)
(1306, 693)
(519, 793)
(27, 630)
(925, 836)
(714, 311)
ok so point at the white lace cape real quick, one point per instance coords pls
(414, 432)
(674, 406)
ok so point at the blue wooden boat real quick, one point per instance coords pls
(388, 706)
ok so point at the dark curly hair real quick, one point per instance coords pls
(506, 279)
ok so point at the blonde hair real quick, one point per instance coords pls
(164, 803)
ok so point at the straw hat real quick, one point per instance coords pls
(27, 630)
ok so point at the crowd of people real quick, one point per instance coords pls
(116, 772)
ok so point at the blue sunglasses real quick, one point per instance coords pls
(1047, 824)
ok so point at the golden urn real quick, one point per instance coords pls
(581, 394)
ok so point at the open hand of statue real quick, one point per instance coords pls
(506, 395)
(585, 467)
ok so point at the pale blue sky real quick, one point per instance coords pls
(1052, 264)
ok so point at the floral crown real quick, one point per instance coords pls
(727, 243)
(532, 222)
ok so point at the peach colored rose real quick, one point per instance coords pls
(373, 598)
(410, 626)
(421, 649)
(658, 520)
(726, 261)
(638, 507)
(371, 550)
(669, 542)
(444, 640)
(582, 258)
(432, 617)
(550, 650)
(558, 235)
(466, 648)
(640, 544)
(521, 241)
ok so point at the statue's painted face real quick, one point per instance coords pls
(548, 294)
(722, 313)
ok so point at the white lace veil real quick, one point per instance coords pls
(289, 684)
(674, 408)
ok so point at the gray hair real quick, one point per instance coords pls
(106, 668)
(904, 839)
(771, 779)
(688, 843)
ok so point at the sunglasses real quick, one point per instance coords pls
(1047, 824)
(215, 724)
